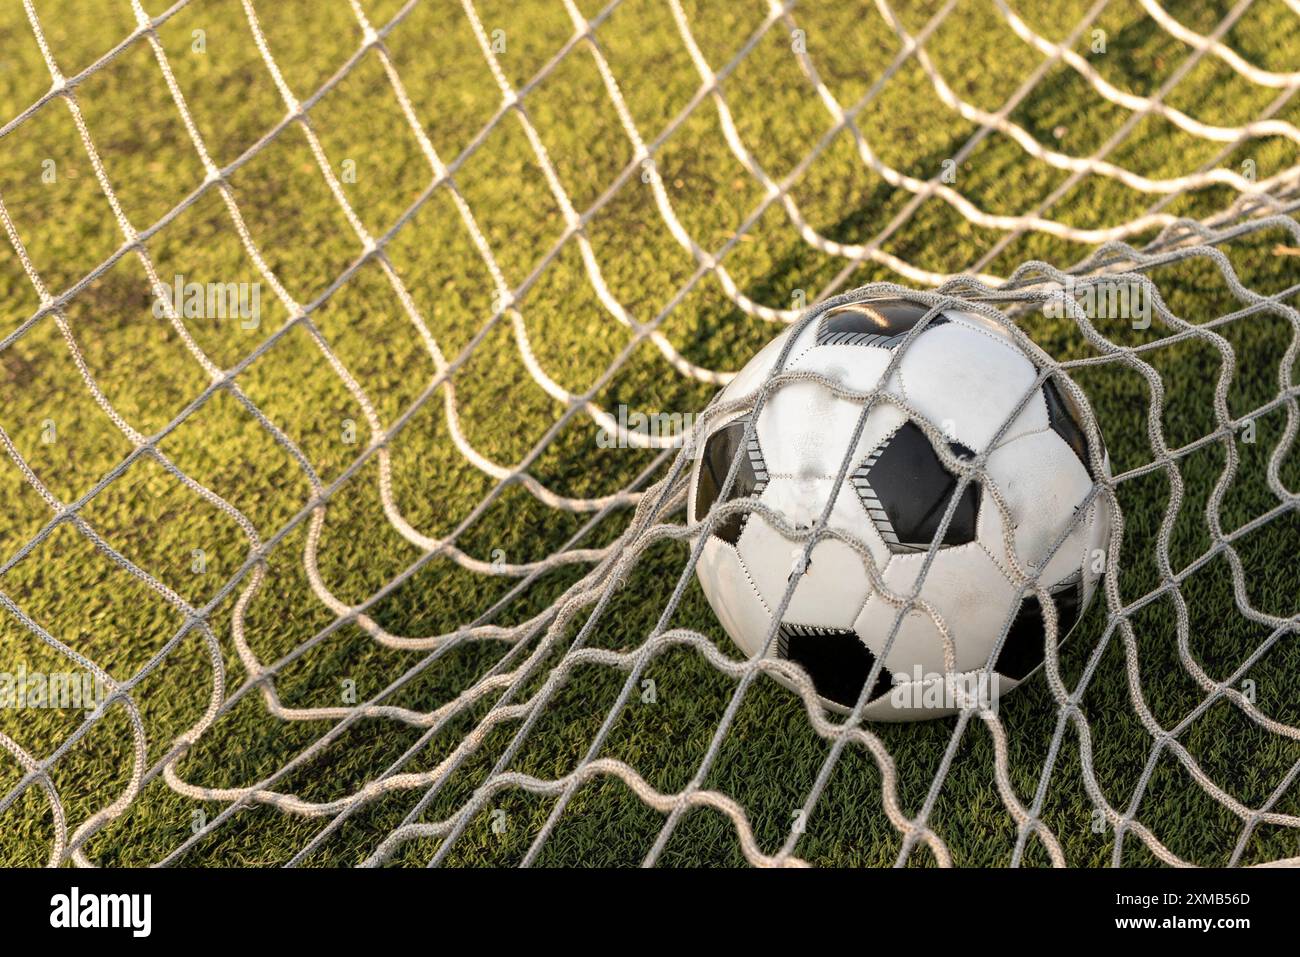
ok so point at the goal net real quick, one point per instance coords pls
(351, 361)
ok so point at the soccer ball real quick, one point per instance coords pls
(965, 376)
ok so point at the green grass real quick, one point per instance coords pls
(771, 756)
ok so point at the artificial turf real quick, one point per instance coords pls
(771, 756)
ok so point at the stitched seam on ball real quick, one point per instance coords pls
(801, 475)
(791, 360)
(745, 568)
(1022, 435)
(902, 386)
(1025, 435)
(884, 439)
(997, 564)
(1008, 344)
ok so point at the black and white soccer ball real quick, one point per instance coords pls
(965, 375)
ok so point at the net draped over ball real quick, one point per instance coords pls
(978, 391)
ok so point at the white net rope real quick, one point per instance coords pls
(492, 717)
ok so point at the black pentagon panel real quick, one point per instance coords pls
(906, 489)
(751, 476)
(1065, 422)
(962, 452)
(879, 322)
(1026, 642)
(837, 661)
